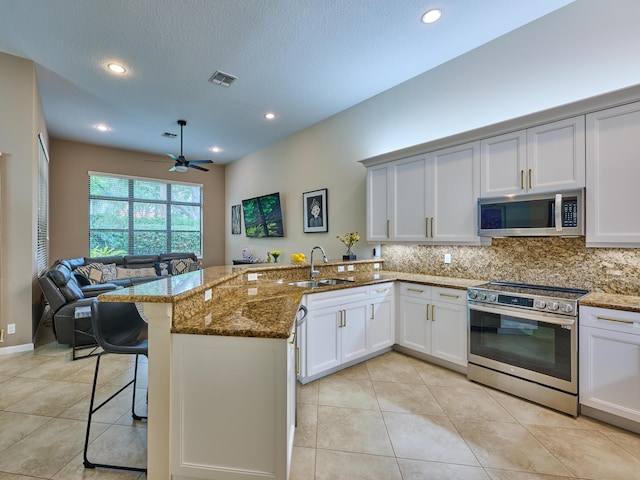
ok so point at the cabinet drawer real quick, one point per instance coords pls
(615, 320)
(337, 297)
(415, 290)
(448, 295)
(381, 290)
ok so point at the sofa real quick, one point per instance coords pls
(71, 284)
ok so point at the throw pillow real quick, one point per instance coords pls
(109, 272)
(92, 272)
(162, 268)
(135, 272)
(181, 265)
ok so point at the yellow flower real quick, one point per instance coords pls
(350, 239)
(275, 253)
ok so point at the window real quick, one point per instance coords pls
(137, 216)
(42, 246)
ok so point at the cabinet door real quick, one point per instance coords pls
(503, 164)
(353, 331)
(411, 199)
(381, 324)
(556, 156)
(449, 332)
(455, 191)
(610, 371)
(378, 203)
(323, 347)
(613, 170)
(415, 324)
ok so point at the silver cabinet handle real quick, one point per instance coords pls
(345, 318)
(531, 178)
(521, 179)
(414, 290)
(427, 308)
(433, 312)
(372, 312)
(388, 228)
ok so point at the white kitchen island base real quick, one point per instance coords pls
(232, 407)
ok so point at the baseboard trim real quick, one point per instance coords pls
(27, 347)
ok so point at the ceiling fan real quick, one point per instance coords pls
(182, 164)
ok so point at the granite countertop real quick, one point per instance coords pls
(613, 301)
(263, 308)
(267, 307)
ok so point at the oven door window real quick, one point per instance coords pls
(534, 345)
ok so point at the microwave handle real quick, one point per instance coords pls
(558, 212)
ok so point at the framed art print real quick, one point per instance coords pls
(314, 206)
(236, 228)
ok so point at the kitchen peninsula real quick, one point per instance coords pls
(222, 366)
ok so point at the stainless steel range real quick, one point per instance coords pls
(523, 339)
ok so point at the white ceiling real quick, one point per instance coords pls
(305, 60)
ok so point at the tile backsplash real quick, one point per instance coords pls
(554, 261)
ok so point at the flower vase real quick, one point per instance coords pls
(348, 255)
(275, 258)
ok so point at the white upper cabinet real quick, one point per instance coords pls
(456, 187)
(378, 203)
(503, 162)
(546, 158)
(428, 198)
(412, 195)
(613, 170)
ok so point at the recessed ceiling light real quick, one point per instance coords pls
(269, 116)
(116, 68)
(102, 127)
(216, 149)
(432, 16)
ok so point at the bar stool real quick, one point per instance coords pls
(119, 329)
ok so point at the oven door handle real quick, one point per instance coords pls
(538, 317)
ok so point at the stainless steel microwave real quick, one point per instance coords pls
(532, 215)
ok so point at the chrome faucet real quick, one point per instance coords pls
(324, 256)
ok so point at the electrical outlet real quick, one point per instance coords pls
(376, 266)
(350, 268)
(11, 329)
(447, 258)
(340, 268)
(207, 295)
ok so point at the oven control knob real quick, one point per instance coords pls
(554, 306)
(567, 308)
(539, 304)
(493, 297)
(482, 296)
(473, 294)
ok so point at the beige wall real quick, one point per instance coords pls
(21, 120)
(579, 51)
(70, 163)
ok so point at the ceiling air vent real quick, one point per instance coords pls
(169, 135)
(222, 78)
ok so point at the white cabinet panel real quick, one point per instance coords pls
(610, 361)
(412, 180)
(503, 164)
(378, 203)
(556, 156)
(613, 170)
(381, 323)
(323, 349)
(433, 320)
(545, 158)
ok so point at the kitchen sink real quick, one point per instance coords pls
(320, 283)
(334, 281)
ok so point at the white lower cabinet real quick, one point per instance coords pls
(433, 321)
(609, 374)
(343, 326)
(232, 407)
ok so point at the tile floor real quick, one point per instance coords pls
(392, 417)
